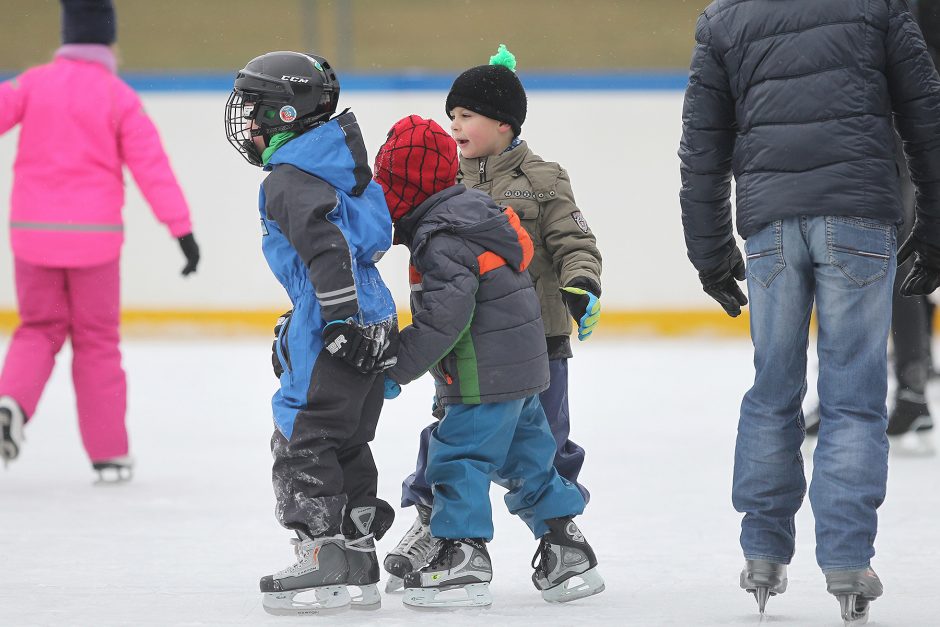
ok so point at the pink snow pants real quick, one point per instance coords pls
(83, 304)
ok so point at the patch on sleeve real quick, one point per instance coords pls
(580, 221)
(264, 228)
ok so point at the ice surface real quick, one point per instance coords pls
(187, 540)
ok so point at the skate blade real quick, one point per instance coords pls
(364, 598)
(114, 476)
(475, 595)
(580, 586)
(327, 600)
(394, 584)
(852, 616)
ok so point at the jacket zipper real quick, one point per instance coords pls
(482, 170)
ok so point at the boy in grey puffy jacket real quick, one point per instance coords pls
(477, 327)
(487, 104)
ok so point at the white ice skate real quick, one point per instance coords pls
(318, 578)
(458, 576)
(12, 420)
(412, 552)
(855, 590)
(114, 471)
(565, 565)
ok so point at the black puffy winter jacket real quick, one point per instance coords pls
(797, 98)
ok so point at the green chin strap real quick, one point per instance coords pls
(277, 141)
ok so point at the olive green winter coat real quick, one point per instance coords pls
(565, 248)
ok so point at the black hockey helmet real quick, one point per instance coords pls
(279, 92)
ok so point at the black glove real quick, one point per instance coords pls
(191, 250)
(278, 368)
(370, 348)
(719, 283)
(924, 276)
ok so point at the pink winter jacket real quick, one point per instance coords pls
(79, 124)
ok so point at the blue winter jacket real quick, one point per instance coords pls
(795, 98)
(325, 225)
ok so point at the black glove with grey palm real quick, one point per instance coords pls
(924, 276)
(370, 348)
(721, 283)
(275, 361)
(191, 251)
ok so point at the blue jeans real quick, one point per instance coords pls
(847, 266)
(569, 456)
(506, 443)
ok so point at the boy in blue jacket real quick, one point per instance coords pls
(324, 225)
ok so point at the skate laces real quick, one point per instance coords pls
(446, 550)
(363, 544)
(541, 556)
(417, 543)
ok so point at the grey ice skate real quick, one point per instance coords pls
(412, 552)
(458, 575)
(565, 565)
(115, 470)
(362, 561)
(12, 420)
(321, 569)
(855, 590)
(764, 579)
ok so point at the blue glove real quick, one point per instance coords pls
(392, 389)
(585, 307)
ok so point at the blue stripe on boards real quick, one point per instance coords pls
(423, 81)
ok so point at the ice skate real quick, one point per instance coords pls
(12, 420)
(855, 590)
(412, 552)
(320, 570)
(362, 561)
(115, 470)
(764, 579)
(565, 565)
(458, 575)
(910, 427)
(811, 422)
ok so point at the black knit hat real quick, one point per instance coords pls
(88, 22)
(492, 90)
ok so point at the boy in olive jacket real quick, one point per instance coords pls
(487, 104)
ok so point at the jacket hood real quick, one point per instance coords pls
(472, 216)
(333, 152)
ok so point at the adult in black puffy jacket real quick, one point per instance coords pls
(797, 101)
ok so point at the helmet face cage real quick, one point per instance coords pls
(239, 115)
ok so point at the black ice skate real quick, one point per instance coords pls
(320, 569)
(115, 470)
(811, 422)
(361, 559)
(764, 579)
(412, 552)
(458, 575)
(910, 425)
(565, 565)
(12, 420)
(855, 590)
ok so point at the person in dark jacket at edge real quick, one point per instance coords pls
(477, 327)
(798, 102)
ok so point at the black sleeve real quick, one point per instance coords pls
(300, 204)
(449, 283)
(708, 129)
(915, 97)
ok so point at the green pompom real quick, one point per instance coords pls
(504, 57)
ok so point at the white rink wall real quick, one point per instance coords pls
(618, 146)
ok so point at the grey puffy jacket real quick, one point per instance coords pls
(476, 322)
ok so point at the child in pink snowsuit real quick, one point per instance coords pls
(79, 124)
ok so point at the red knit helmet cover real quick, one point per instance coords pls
(417, 160)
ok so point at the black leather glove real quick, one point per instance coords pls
(721, 283)
(191, 250)
(370, 348)
(278, 368)
(924, 276)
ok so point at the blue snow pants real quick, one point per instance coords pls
(506, 443)
(569, 456)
